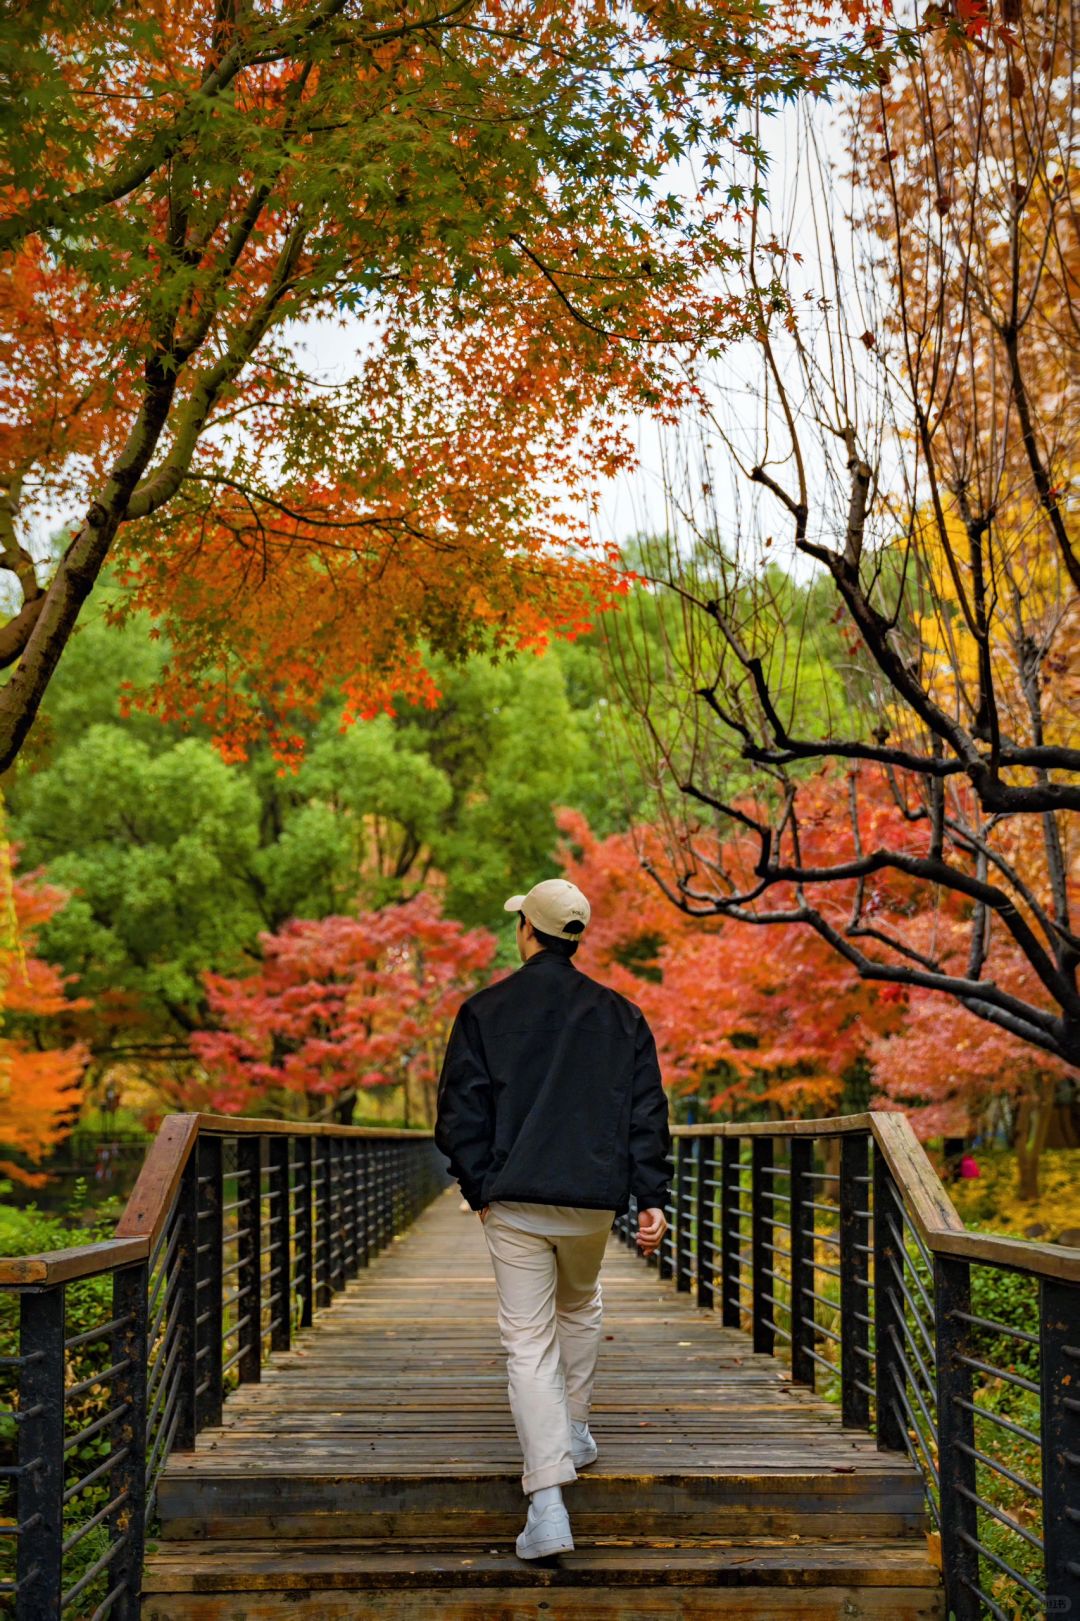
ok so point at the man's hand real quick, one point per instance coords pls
(652, 1225)
(483, 1213)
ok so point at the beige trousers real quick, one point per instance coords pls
(550, 1320)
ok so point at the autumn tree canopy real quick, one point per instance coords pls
(481, 191)
(912, 438)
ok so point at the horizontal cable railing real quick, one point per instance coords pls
(118, 1353)
(835, 1243)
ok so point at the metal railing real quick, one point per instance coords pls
(833, 1238)
(837, 1240)
(236, 1232)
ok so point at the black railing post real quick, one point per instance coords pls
(682, 1215)
(731, 1231)
(305, 1230)
(382, 1185)
(888, 1367)
(278, 1278)
(664, 1255)
(41, 1454)
(956, 1439)
(368, 1208)
(415, 1178)
(363, 1201)
(249, 1256)
(802, 1260)
(418, 1176)
(186, 1306)
(210, 1287)
(1059, 1345)
(629, 1225)
(374, 1197)
(352, 1245)
(344, 1165)
(854, 1281)
(337, 1224)
(127, 1477)
(323, 1220)
(706, 1222)
(761, 1227)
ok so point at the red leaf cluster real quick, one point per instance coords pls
(768, 1015)
(341, 1003)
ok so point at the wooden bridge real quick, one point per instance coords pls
(379, 1458)
(292, 1400)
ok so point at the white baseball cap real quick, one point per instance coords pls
(554, 906)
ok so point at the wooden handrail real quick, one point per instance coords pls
(938, 1222)
(229, 1125)
(64, 1266)
(147, 1209)
(151, 1198)
(936, 1219)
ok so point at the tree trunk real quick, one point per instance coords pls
(344, 1106)
(1032, 1126)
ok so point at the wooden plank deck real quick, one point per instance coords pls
(382, 1445)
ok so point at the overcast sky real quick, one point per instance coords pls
(635, 502)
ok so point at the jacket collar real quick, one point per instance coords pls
(550, 957)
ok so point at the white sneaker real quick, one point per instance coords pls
(582, 1445)
(547, 1531)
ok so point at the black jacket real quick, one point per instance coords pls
(550, 1093)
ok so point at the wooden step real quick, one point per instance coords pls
(789, 1501)
(347, 1580)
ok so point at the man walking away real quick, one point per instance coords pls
(552, 1114)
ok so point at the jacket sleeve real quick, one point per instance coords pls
(465, 1115)
(650, 1134)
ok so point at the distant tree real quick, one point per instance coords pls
(341, 1004)
(154, 848)
(767, 1023)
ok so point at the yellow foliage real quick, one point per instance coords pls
(991, 1200)
(1029, 581)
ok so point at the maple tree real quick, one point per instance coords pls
(473, 201)
(39, 1078)
(339, 1004)
(756, 1024)
(915, 442)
